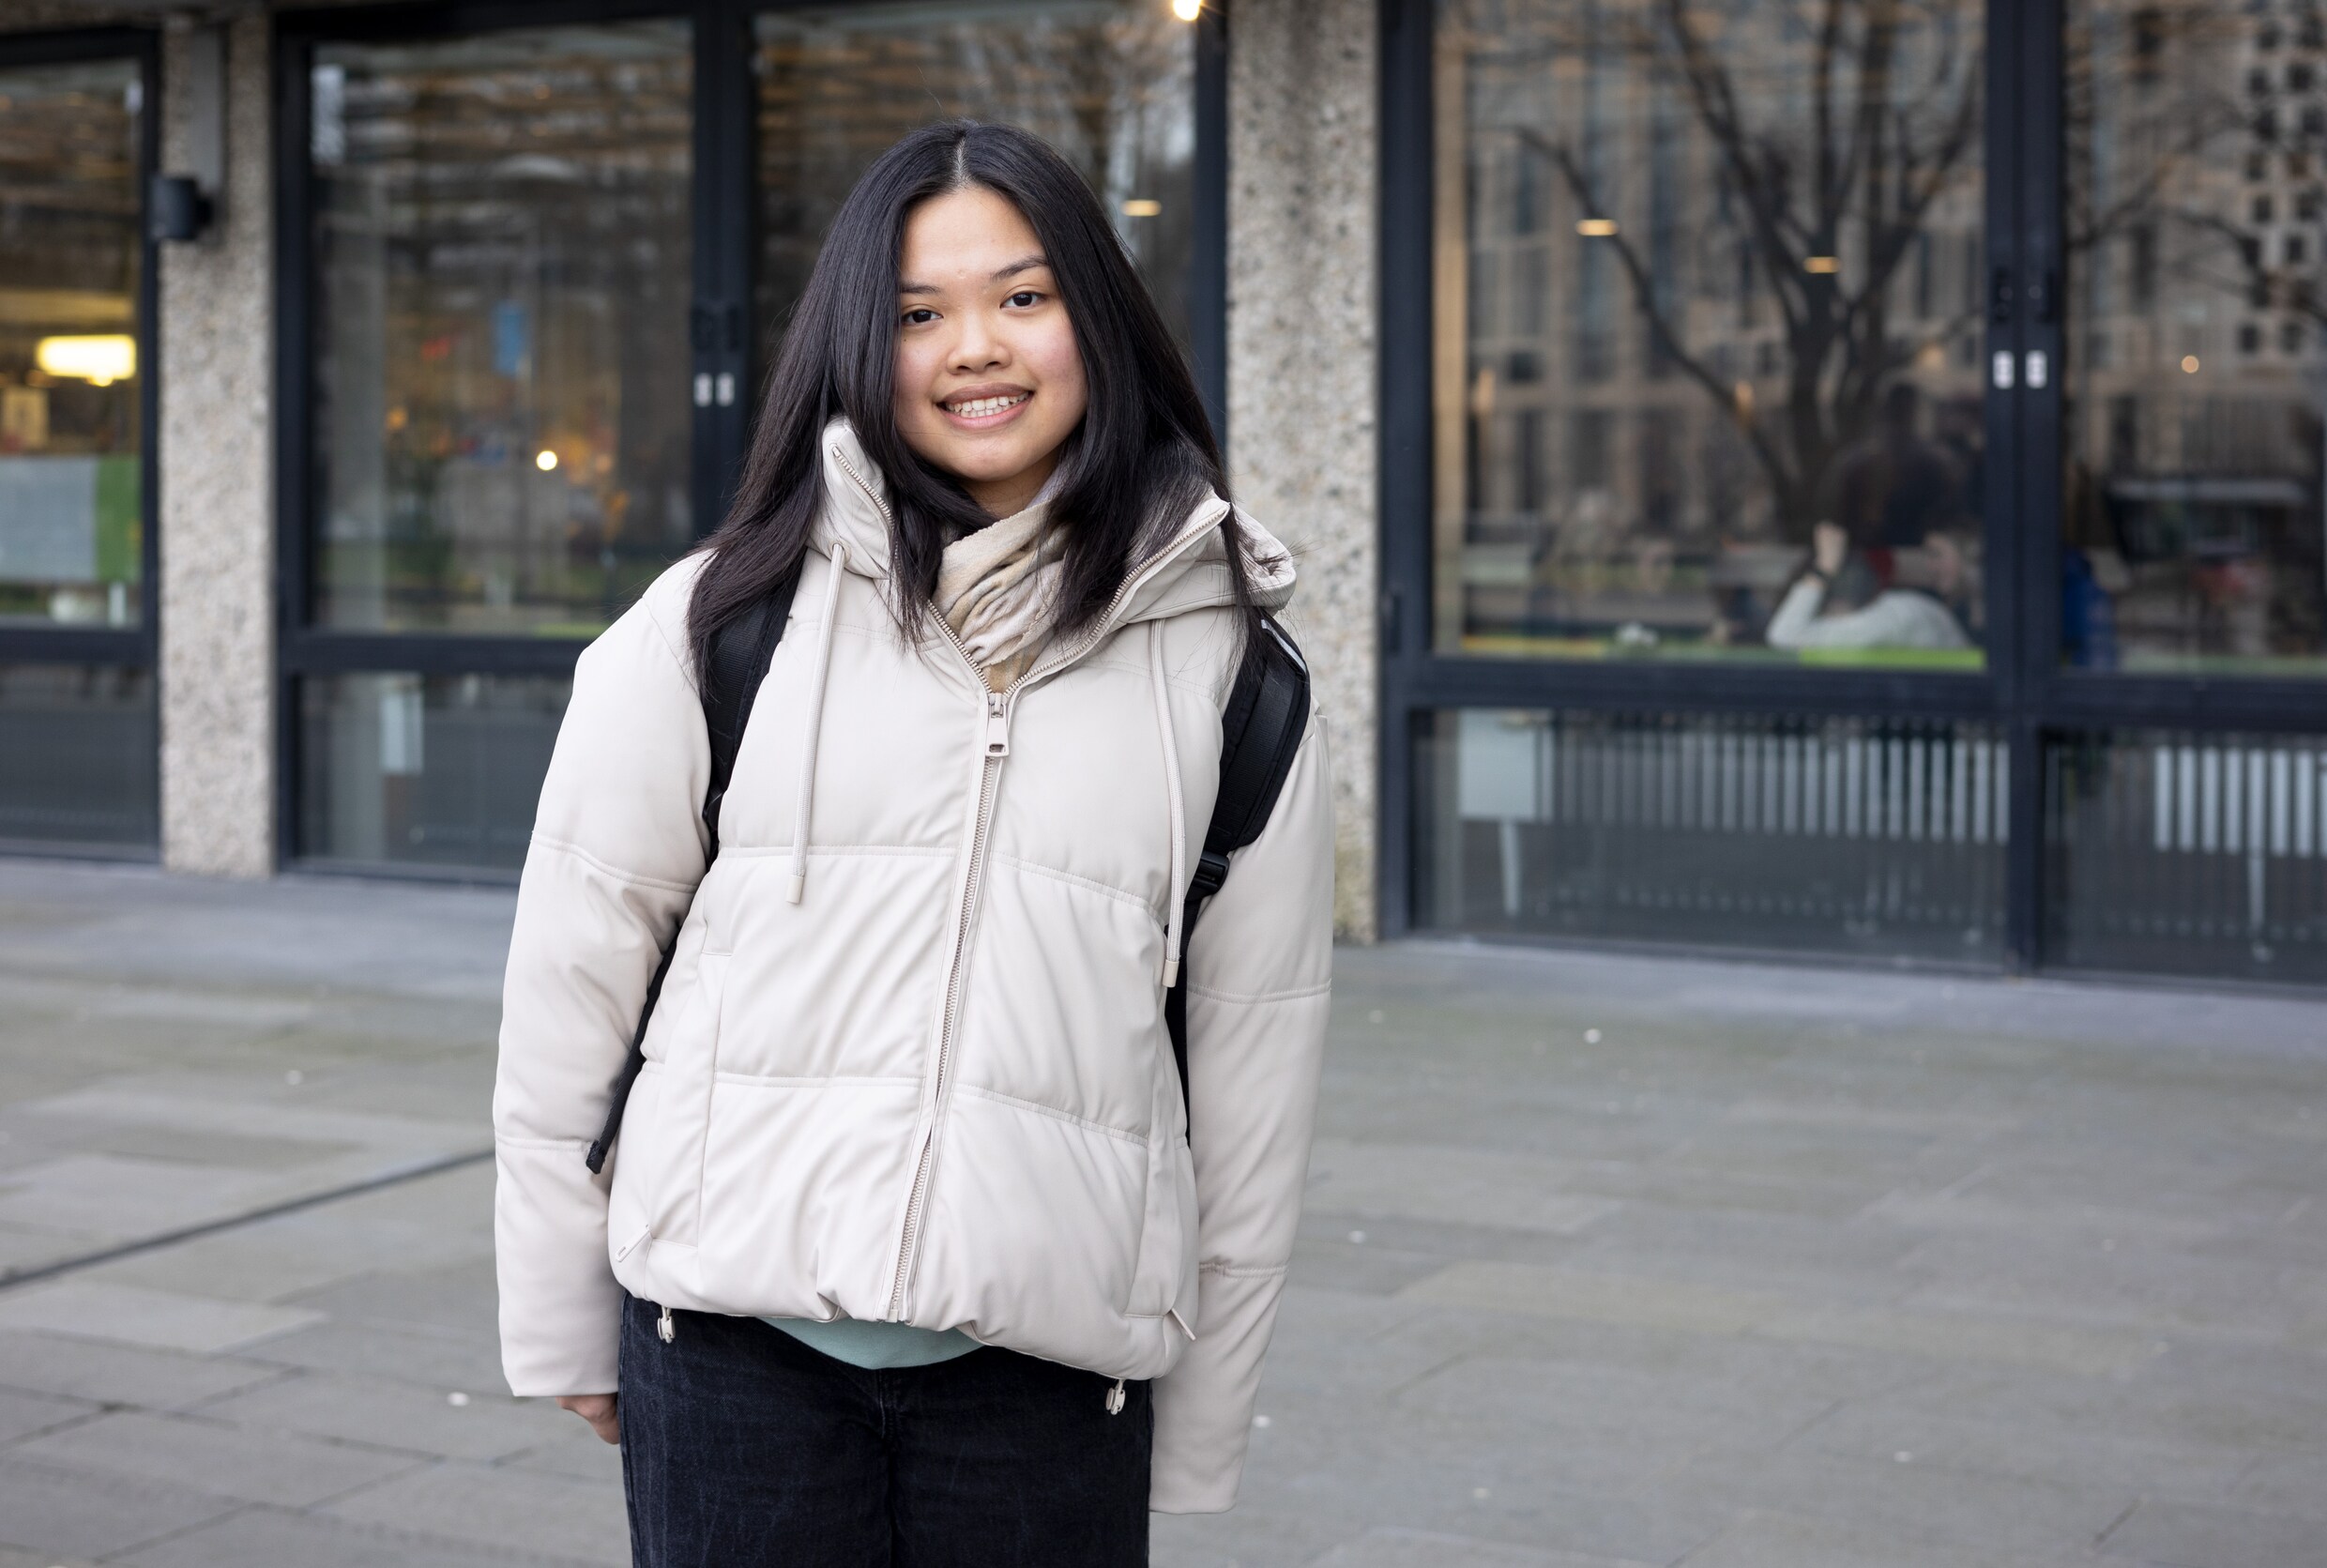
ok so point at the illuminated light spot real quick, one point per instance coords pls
(1821, 264)
(1595, 228)
(1187, 10)
(545, 460)
(2189, 364)
(1143, 207)
(100, 359)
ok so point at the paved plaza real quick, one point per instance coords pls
(1606, 1260)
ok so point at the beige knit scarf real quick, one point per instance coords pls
(998, 589)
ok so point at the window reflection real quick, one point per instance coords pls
(503, 259)
(1109, 83)
(72, 506)
(1709, 327)
(2192, 533)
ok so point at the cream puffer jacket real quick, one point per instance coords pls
(909, 1064)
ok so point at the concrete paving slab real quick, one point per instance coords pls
(24, 1415)
(266, 1538)
(485, 1424)
(1414, 1549)
(158, 1320)
(2180, 1535)
(78, 1512)
(119, 1373)
(517, 1510)
(215, 1456)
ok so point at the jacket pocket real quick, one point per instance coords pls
(1168, 1225)
(683, 1120)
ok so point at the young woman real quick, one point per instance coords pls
(906, 1254)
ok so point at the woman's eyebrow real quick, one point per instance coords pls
(1024, 264)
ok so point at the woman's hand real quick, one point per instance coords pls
(598, 1410)
(1830, 546)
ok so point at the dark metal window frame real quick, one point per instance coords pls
(2024, 689)
(724, 213)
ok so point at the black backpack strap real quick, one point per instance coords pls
(1260, 733)
(738, 663)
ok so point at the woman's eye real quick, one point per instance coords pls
(1023, 299)
(919, 315)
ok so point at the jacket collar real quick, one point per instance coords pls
(1190, 572)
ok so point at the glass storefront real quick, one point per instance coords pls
(1872, 491)
(2188, 853)
(403, 769)
(71, 435)
(1111, 84)
(502, 249)
(1877, 838)
(78, 763)
(1708, 374)
(2193, 525)
(77, 758)
(543, 268)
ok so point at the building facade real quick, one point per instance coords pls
(1852, 489)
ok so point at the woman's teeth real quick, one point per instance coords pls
(976, 408)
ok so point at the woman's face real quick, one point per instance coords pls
(989, 382)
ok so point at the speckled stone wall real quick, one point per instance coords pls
(1301, 323)
(217, 515)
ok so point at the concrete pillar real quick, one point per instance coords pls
(1301, 325)
(218, 512)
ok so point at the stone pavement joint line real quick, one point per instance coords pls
(11, 1278)
(1608, 1261)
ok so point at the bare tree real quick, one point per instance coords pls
(1881, 149)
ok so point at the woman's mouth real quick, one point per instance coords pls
(985, 408)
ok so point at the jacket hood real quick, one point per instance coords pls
(1190, 572)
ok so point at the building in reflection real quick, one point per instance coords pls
(1843, 482)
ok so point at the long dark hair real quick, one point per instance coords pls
(1142, 458)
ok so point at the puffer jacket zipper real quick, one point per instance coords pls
(998, 706)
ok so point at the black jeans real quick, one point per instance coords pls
(743, 1448)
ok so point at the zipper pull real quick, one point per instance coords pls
(1115, 1398)
(998, 726)
(665, 1329)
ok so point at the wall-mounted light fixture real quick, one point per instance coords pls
(181, 207)
(98, 359)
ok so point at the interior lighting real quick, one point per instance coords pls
(545, 460)
(2189, 364)
(1595, 228)
(100, 359)
(1824, 265)
(1187, 10)
(1143, 207)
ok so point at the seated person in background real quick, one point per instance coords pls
(1839, 603)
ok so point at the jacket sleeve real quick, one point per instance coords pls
(1260, 980)
(618, 848)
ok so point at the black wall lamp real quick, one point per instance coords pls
(182, 206)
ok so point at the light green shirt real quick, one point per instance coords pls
(877, 1347)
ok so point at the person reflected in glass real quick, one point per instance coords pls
(907, 1255)
(1895, 486)
(1840, 602)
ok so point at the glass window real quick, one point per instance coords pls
(1110, 84)
(503, 253)
(2194, 531)
(2187, 854)
(1844, 835)
(424, 771)
(71, 507)
(1707, 327)
(77, 757)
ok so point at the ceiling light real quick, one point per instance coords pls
(100, 359)
(1821, 264)
(1596, 228)
(1143, 207)
(1187, 10)
(545, 460)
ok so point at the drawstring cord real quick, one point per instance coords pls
(806, 794)
(1115, 1398)
(1171, 790)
